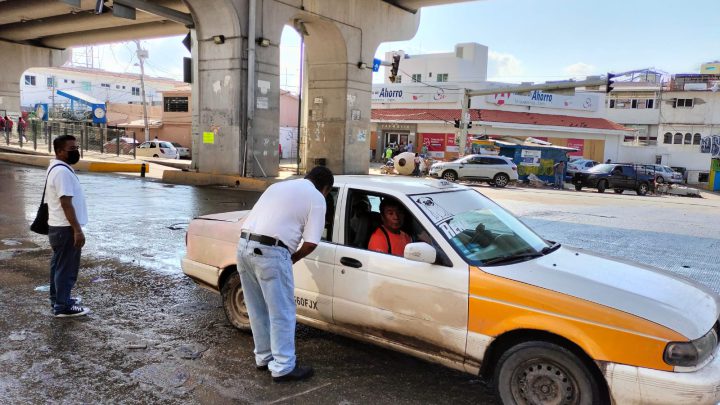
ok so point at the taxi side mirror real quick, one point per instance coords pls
(420, 252)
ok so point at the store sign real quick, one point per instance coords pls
(413, 94)
(537, 98)
(578, 144)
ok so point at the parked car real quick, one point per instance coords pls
(484, 294)
(616, 176)
(576, 165)
(496, 170)
(183, 152)
(127, 145)
(157, 149)
(663, 174)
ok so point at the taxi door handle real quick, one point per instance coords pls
(350, 262)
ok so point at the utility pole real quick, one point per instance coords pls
(142, 54)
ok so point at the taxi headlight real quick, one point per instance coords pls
(689, 354)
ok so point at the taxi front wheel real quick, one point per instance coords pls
(544, 373)
(234, 302)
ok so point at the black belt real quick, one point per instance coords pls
(263, 240)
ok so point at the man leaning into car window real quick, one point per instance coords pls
(389, 237)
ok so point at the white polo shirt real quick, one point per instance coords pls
(290, 211)
(61, 182)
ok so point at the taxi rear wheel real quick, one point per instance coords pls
(234, 302)
(544, 373)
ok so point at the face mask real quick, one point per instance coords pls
(73, 156)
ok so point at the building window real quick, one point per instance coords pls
(29, 80)
(50, 82)
(650, 103)
(678, 139)
(117, 86)
(416, 78)
(696, 139)
(684, 102)
(667, 138)
(442, 77)
(72, 81)
(398, 79)
(105, 85)
(64, 80)
(136, 91)
(688, 139)
(612, 103)
(633, 103)
(123, 87)
(175, 104)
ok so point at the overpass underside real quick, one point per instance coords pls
(235, 69)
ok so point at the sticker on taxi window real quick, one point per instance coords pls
(435, 212)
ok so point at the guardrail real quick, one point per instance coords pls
(40, 135)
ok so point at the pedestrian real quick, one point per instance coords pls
(409, 147)
(608, 161)
(67, 214)
(267, 249)
(8, 126)
(388, 152)
(2, 126)
(22, 126)
(559, 169)
(416, 161)
(424, 151)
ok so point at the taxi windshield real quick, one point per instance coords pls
(480, 230)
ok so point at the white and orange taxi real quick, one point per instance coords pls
(481, 292)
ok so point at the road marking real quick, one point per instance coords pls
(299, 394)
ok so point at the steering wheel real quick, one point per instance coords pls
(482, 236)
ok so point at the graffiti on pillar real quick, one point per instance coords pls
(362, 135)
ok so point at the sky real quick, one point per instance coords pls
(528, 40)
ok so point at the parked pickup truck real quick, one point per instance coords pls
(479, 291)
(616, 176)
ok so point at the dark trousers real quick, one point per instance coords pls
(64, 266)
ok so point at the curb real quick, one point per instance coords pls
(208, 179)
(81, 166)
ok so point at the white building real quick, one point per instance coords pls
(37, 85)
(423, 111)
(467, 64)
(671, 120)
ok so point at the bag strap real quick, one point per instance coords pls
(387, 238)
(42, 200)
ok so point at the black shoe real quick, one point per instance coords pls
(264, 367)
(72, 312)
(299, 373)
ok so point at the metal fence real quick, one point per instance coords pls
(91, 138)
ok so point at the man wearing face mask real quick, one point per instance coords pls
(67, 213)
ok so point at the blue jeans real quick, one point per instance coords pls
(559, 180)
(268, 287)
(64, 266)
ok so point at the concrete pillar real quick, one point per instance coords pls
(342, 34)
(16, 60)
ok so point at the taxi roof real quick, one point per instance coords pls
(401, 184)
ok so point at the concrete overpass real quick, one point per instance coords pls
(235, 52)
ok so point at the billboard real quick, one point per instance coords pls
(538, 98)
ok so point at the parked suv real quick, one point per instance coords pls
(496, 170)
(616, 176)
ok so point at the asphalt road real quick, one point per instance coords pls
(155, 337)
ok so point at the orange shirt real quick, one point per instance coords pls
(378, 242)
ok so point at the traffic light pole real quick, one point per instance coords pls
(467, 94)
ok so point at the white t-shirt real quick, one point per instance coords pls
(62, 182)
(289, 210)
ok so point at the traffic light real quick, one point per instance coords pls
(394, 68)
(610, 82)
(469, 124)
(457, 124)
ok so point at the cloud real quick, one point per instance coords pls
(579, 69)
(504, 66)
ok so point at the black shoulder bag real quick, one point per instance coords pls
(40, 224)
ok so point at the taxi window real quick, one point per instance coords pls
(331, 201)
(363, 218)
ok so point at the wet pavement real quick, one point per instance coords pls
(155, 337)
